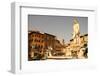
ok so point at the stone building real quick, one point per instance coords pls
(35, 44)
(39, 44)
(58, 48)
(49, 40)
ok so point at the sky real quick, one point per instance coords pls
(60, 26)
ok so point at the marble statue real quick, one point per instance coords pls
(76, 31)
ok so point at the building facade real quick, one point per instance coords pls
(38, 45)
(35, 44)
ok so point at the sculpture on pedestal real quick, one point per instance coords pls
(76, 31)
